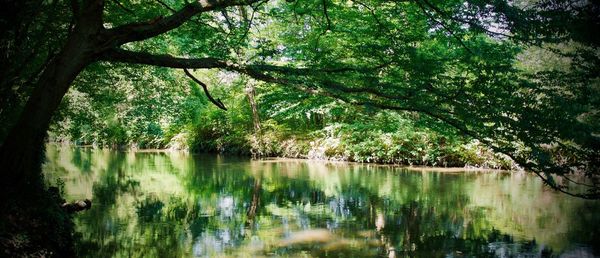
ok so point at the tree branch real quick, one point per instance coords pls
(326, 14)
(197, 21)
(120, 5)
(217, 102)
(131, 57)
(159, 25)
(469, 22)
(91, 14)
(166, 6)
(443, 24)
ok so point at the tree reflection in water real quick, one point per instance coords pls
(180, 205)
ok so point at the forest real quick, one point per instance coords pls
(502, 85)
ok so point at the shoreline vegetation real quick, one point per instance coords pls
(275, 159)
(381, 137)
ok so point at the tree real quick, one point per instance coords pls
(452, 61)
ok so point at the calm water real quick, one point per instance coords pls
(181, 205)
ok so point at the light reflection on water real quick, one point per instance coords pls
(171, 204)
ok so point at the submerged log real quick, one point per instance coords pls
(77, 206)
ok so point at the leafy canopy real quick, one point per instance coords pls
(457, 63)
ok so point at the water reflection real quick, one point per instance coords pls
(180, 205)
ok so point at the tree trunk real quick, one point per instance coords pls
(21, 153)
(250, 93)
(259, 149)
(27, 208)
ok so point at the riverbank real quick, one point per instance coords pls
(474, 166)
(383, 137)
(411, 168)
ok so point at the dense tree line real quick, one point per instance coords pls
(453, 63)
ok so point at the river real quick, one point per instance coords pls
(174, 204)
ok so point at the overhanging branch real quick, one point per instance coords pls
(133, 57)
(159, 25)
(217, 102)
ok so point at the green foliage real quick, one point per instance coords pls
(519, 78)
(143, 110)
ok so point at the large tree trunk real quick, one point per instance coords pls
(27, 208)
(21, 152)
